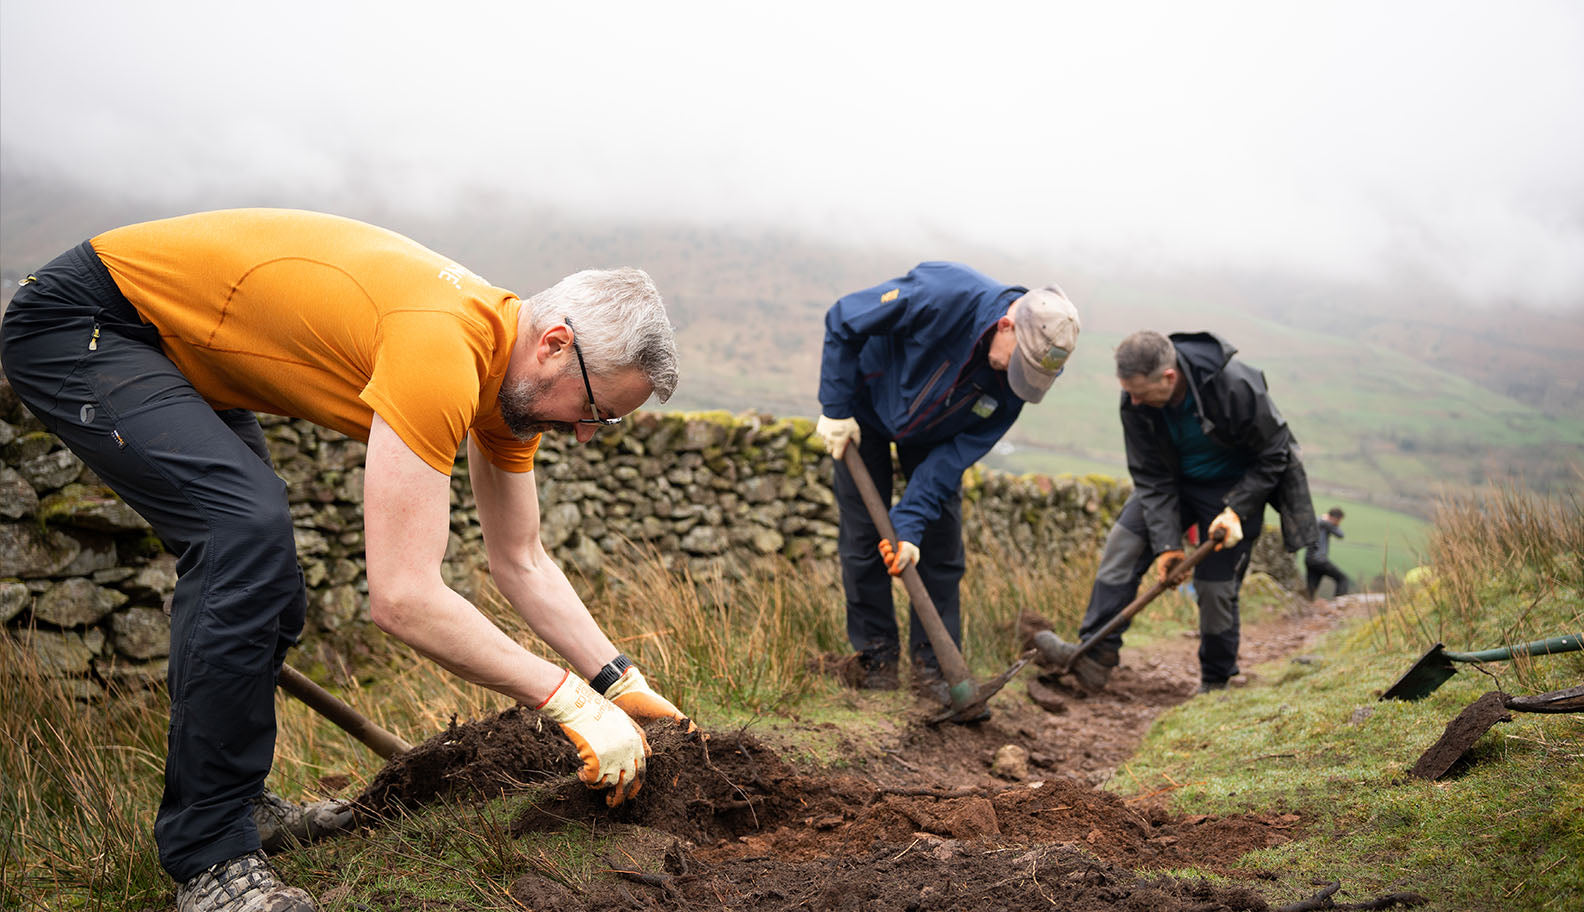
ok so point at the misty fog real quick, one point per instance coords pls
(1347, 141)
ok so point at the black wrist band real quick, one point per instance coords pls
(608, 675)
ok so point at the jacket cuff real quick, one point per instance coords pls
(909, 531)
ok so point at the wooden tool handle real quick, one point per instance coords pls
(953, 668)
(354, 723)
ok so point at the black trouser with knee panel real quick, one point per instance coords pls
(871, 616)
(1217, 578)
(77, 354)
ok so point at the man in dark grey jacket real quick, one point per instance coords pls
(1206, 447)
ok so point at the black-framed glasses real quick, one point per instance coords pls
(587, 387)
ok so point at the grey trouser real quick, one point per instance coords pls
(1216, 580)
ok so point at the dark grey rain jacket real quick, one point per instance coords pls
(1235, 410)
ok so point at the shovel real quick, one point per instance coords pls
(1435, 666)
(1462, 732)
(1058, 655)
(967, 699)
(377, 739)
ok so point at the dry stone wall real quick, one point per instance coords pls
(85, 584)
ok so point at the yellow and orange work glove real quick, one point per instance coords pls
(637, 699)
(1167, 561)
(1229, 523)
(904, 555)
(610, 744)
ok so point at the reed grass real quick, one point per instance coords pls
(80, 779)
(1483, 548)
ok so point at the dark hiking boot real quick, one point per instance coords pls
(1208, 686)
(1093, 669)
(879, 674)
(283, 825)
(246, 883)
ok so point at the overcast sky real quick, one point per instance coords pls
(1341, 139)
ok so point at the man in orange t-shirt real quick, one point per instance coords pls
(148, 349)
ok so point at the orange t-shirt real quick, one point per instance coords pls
(320, 317)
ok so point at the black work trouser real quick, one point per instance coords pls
(871, 616)
(80, 359)
(1217, 579)
(1317, 570)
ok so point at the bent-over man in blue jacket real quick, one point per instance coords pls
(939, 362)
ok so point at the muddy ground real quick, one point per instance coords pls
(926, 817)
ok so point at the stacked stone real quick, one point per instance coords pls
(85, 584)
(82, 577)
(708, 492)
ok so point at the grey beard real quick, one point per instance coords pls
(517, 409)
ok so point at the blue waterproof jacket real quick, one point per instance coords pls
(905, 357)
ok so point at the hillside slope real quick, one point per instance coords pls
(1378, 424)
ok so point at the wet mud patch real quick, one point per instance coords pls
(924, 819)
(747, 831)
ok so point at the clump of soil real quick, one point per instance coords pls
(495, 755)
(704, 790)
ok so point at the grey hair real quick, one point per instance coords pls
(1146, 353)
(618, 320)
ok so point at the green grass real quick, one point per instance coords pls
(1504, 833)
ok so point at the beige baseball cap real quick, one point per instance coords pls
(1046, 326)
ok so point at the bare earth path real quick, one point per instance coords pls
(917, 822)
(1088, 735)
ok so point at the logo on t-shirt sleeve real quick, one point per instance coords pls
(455, 273)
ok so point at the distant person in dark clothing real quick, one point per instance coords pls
(1206, 448)
(1317, 560)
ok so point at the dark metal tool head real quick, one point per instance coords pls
(1430, 672)
(969, 703)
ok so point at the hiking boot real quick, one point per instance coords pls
(1208, 686)
(1091, 674)
(1093, 669)
(282, 824)
(879, 674)
(246, 883)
